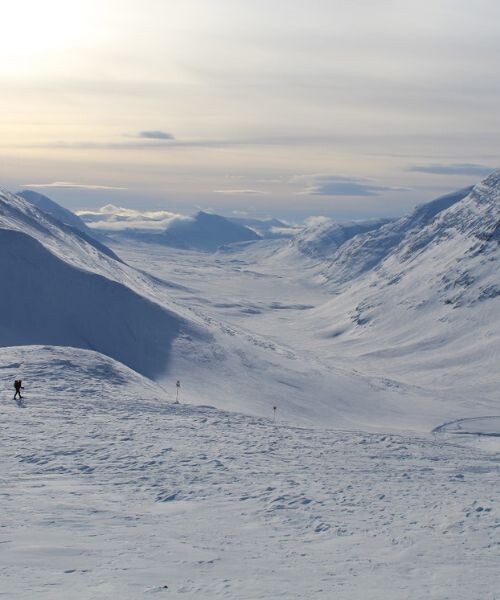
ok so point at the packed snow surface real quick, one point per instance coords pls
(111, 491)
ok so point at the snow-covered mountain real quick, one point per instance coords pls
(429, 311)
(61, 288)
(67, 242)
(364, 251)
(55, 210)
(323, 236)
(205, 232)
(268, 228)
(247, 329)
(109, 489)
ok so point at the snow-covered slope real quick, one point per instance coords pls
(363, 252)
(268, 228)
(55, 210)
(76, 249)
(47, 301)
(430, 311)
(65, 241)
(110, 491)
(324, 236)
(207, 232)
(61, 289)
(72, 376)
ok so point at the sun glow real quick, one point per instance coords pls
(31, 28)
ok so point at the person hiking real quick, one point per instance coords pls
(18, 386)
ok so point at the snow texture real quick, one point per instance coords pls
(111, 491)
(55, 210)
(378, 350)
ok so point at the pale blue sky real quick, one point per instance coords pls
(344, 108)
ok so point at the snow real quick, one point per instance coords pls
(48, 301)
(69, 243)
(362, 253)
(204, 231)
(268, 228)
(361, 489)
(392, 349)
(65, 290)
(489, 426)
(116, 493)
(55, 210)
(324, 236)
(429, 311)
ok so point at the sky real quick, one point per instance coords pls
(343, 108)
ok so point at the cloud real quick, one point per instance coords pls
(333, 185)
(317, 221)
(242, 192)
(453, 169)
(155, 135)
(117, 218)
(70, 184)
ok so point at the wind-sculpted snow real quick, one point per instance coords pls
(68, 242)
(55, 210)
(112, 492)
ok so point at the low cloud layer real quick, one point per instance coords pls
(242, 192)
(70, 184)
(117, 218)
(453, 169)
(333, 185)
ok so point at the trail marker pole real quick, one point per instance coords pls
(178, 387)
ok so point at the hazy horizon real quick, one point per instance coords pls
(344, 109)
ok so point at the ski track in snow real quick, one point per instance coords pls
(117, 493)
